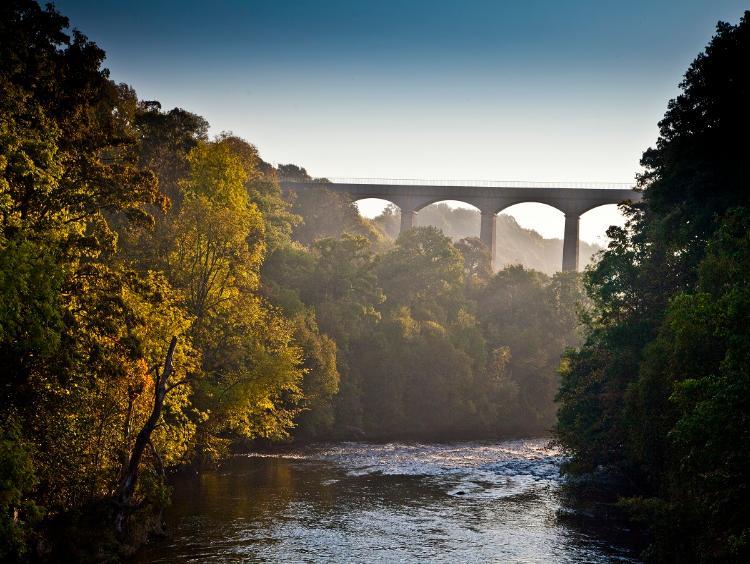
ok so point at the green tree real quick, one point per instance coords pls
(655, 390)
(17, 511)
(424, 272)
(321, 381)
(477, 260)
(69, 165)
(532, 317)
(265, 192)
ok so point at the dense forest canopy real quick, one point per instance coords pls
(418, 353)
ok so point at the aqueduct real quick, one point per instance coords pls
(490, 197)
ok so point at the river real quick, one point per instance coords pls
(395, 502)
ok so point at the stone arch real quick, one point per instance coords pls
(564, 226)
(522, 211)
(591, 205)
(427, 216)
(596, 219)
(371, 208)
(374, 202)
(472, 202)
(506, 203)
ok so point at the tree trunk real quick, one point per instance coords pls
(130, 475)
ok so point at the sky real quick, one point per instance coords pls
(465, 89)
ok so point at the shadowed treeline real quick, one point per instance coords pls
(658, 393)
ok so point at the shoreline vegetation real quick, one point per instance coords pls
(163, 304)
(658, 391)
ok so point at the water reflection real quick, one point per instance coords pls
(470, 502)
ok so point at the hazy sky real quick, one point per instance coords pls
(522, 90)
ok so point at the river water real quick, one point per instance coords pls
(395, 502)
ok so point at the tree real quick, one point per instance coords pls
(642, 395)
(69, 171)
(321, 381)
(344, 287)
(423, 272)
(248, 355)
(166, 140)
(218, 245)
(477, 260)
(89, 304)
(532, 317)
(265, 192)
(61, 107)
